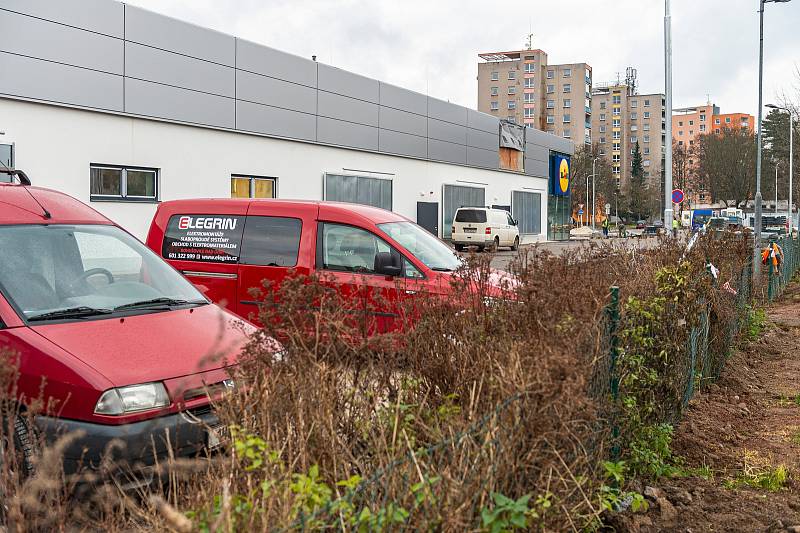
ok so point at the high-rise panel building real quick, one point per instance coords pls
(621, 117)
(521, 86)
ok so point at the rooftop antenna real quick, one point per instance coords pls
(708, 99)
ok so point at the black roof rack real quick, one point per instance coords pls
(23, 178)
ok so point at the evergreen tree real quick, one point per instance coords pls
(637, 187)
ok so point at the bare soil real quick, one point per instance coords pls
(748, 421)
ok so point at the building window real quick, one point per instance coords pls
(550, 89)
(647, 162)
(691, 161)
(634, 139)
(530, 67)
(716, 121)
(615, 123)
(567, 103)
(602, 116)
(252, 187)
(529, 112)
(551, 104)
(566, 134)
(511, 118)
(691, 133)
(647, 103)
(647, 138)
(494, 106)
(691, 143)
(616, 146)
(634, 103)
(512, 74)
(528, 98)
(680, 123)
(646, 127)
(602, 105)
(634, 127)
(616, 99)
(727, 120)
(647, 114)
(566, 118)
(512, 104)
(123, 184)
(691, 122)
(529, 83)
(633, 115)
(567, 72)
(646, 150)
(716, 131)
(493, 91)
(6, 159)
(615, 158)
(551, 119)
(680, 143)
(602, 128)
(702, 118)
(495, 76)
(512, 89)
(567, 87)
(616, 111)
(615, 135)
(550, 74)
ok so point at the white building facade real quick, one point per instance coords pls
(123, 108)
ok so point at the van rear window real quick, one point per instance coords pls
(203, 238)
(471, 215)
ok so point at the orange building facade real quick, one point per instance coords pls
(688, 124)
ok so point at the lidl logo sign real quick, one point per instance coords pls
(559, 175)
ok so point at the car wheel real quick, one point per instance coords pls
(494, 247)
(515, 246)
(459, 247)
(25, 445)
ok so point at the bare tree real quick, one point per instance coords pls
(726, 164)
(605, 186)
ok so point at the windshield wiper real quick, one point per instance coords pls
(159, 302)
(71, 312)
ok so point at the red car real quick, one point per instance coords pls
(228, 246)
(119, 344)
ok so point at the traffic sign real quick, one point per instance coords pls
(608, 209)
(677, 196)
(580, 211)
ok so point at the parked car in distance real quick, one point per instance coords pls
(119, 343)
(485, 228)
(640, 224)
(227, 247)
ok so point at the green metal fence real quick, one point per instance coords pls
(780, 276)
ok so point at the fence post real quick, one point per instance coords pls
(613, 311)
(770, 290)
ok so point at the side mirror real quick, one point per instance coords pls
(388, 264)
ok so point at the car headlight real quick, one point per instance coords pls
(133, 398)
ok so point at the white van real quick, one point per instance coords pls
(485, 228)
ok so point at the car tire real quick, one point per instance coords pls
(515, 246)
(459, 247)
(26, 444)
(494, 246)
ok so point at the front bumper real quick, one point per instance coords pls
(136, 445)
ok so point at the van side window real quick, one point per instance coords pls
(271, 241)
(350, 249)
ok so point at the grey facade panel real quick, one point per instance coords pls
(340, 81)
(445, 131)
(394, 142)
(275, 121)
(343, 108)
(445, 151)
(332, 131)
(481, 121)
(153, 64)
(483, 158)
(275, 64)
(539, 169)
(535, 151)
(482, 139)
(534, 136)
(100, 16)
(446, 111)
(161, 101)
(552, 142)
(55, 42)
(403, 99)
(44, 80)
(274, 92)
(150, 28)
(402, 121)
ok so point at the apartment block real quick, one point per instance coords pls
(522, 87)
(688, 123)
(621, 117)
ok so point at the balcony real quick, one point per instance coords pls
(588, 110)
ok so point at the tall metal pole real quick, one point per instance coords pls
(757, 206)
(668, 112)
(776, 188)
(594, 179)
(587, 199)
(791, 169)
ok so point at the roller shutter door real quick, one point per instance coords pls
(376, 192)
(455, 196)
(526, 208)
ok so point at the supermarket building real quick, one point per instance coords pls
(122, 108)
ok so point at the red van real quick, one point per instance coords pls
(228, 246)
(118, 342)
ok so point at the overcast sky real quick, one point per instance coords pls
(431, 46)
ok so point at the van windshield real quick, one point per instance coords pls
(421, 244)
(471, 215)
(65, 272)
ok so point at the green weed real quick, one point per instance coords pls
(756, 321)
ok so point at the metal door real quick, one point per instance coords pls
(428, 216)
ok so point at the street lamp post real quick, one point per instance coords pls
(776, 188)
(758, 197)
(791, 159)
(594, 179)
(668, 211)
